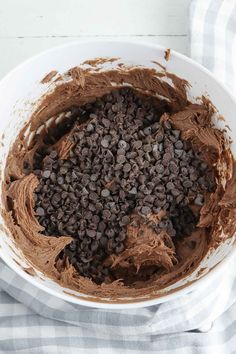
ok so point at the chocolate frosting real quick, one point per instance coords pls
(144, 247)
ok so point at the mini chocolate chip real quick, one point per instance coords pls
(176, 133)
(105, 193)
(147, 148)
(118, 167)
(53, 154)
(187, 184)
(199, 200)
(60, 180)
(92, 186)
(175, 192)
(149, 199)
(115, 108)
(167, 125)
(90, 128)
(121, 159)
(142, 179)
(121, 236)
(91, 233)
(106, 122)
(40, 211)
(72, 246)
(125, 220)
(160, 168)
(184, 171)
(99, 206)
(146, 210)
(88, 215)
(127, 167)
(159, 136)
(122, 144)
(110, 233)
(84, 152)
(94, 246)
(179, 144)
(46, 174)
(163, 224)
(133, 191)
(93, 196)
(94, 177)
(173, 167)
(155, 152)
(178, 153)
(193, 177)
(63, 170)
(147, 131)
(119, 248)
(167, 156)
(103, 241)
(179, 198)
(203, 166)
(137, 144)
(106, 214)
(170, 185)
(91, 207)
(121, 152)
(105, 143)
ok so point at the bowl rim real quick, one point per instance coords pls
(142, 303)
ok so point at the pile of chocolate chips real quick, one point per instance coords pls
(123, 162)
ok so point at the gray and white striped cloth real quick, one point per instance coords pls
(202, 322)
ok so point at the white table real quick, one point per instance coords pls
(30, 26)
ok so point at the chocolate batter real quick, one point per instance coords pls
(144, 245)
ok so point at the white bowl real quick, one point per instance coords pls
(22, 86)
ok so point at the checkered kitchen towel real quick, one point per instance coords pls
(204, 321)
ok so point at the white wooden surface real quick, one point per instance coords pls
(30, 26)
